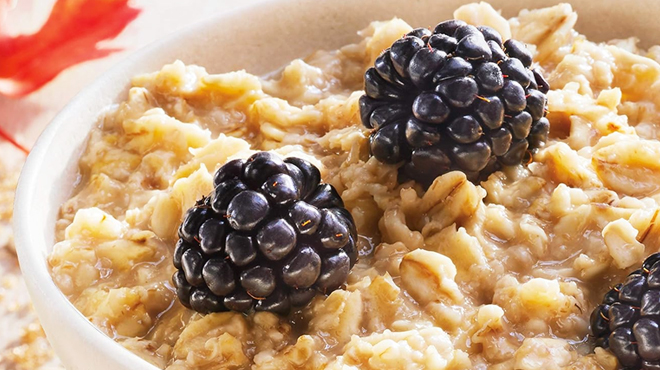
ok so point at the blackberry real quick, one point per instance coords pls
(457, 98)
(268, 238)
(628, 320)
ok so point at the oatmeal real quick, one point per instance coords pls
(23, 344)
(500, 275)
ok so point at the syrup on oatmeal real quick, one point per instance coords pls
(501, 275)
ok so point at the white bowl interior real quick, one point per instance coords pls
(260, 38)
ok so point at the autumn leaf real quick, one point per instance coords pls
(69, 36)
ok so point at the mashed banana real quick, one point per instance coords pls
(501, 276)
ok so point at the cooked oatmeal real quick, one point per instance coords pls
(501, 275)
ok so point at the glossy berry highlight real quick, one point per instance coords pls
(455, 98)
(267, 238)
(627, 322)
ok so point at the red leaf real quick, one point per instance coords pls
(68, 37)
(19, 146)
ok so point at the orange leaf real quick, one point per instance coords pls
(69, 36)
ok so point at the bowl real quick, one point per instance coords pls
(259, 38)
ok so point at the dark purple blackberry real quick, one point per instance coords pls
(457, 98)
(269, 237)
(628, 320)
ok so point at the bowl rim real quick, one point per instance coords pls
(32, 260)
(28, 244)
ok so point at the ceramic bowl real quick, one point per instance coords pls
(259, 38)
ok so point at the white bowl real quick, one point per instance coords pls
(260, 38)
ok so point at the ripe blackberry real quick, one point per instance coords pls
(457, 98)
(628, 320)
(268, 237)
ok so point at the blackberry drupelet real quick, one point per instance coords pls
(628, 320)
(269, 237)
(457, 98)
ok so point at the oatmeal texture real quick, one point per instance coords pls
(501, 275)
(23, 344)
